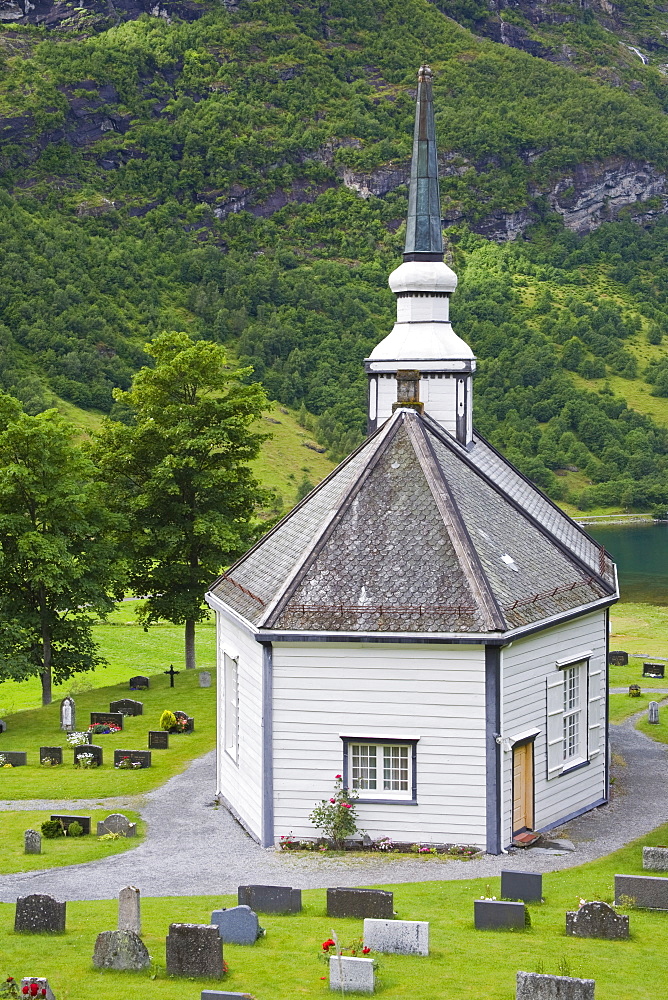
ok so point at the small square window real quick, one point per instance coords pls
(380, 770)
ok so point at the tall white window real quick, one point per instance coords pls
(231, 702)
(385, 769)
(572, 709)
(574, 715)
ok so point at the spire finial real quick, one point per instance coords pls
(424, 239)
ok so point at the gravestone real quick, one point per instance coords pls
(634, 691)
(189, 722)
(360, 903)
(106, 718)
(237, 925)
(618, 658)
(41, 983)
(3, 726)
(653, 670)
(139, 683)
(655, 859)
(127, 706)
(194, 950)
(653, 713)
(597, 920)
(158, 739)
(32, 842)
(397, 937)
(205, 678)
(270, 898)
(141, 757)
(17, 758)
(68, 715)
(122, 950)
(39, 914)
(351, 975)
(222, 994)
(129, 909)
(536, 986)
(648, 892)
(54, 754)
(496, 915)
(117, 823)
(83, 821)
(89, 748)
(527, 886)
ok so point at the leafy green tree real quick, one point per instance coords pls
(179, 471)
(57, 549)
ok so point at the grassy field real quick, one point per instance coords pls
(621, 706)
(63, 850)
(30, 729)
(288, 456)
(640, 628)
(463, 963)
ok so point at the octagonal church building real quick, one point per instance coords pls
(426, 622)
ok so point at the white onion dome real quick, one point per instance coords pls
(423, 276)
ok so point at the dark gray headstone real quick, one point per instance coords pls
(653, 669)
(270, 898)
(222, 994)
(496, 915)
(127, 706)
(360, 903)
(39, 914)
(3, 726)
(32, 842)
(597, 920)
(68, 716)
(189, 722)
(194, 950)
(116, 823)
(121, 950)
(89, 748)
(536, 986)
(653, 713)
(139, 683)
(141, 757)
(618, 658)
(54, 754)
(83, 821)
(527, 886)
(649, 892)
(113, 718)
(237, 925)
(158, 739)
(17, 758)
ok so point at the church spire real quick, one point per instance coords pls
(424, 240)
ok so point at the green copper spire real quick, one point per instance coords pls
(424, 239)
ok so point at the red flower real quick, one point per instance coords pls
(332, 800)
(365, 951)
(326, 945)
(337, 776)
(43, 991)
(25, 990)
(10, 979)
(34, 989)
(346, 805)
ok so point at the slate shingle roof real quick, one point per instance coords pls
(414, 533)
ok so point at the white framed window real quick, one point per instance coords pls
(573, 715)
(231, 705)
(381, 770)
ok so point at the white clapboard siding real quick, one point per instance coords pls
(436, 693)
(240, 781)
(532, 699)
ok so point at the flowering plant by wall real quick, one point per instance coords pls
(336, 816)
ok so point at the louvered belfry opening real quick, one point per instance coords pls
(408, 390)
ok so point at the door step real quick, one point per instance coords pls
(527, 839)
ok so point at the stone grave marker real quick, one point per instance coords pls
(653, 670)
(122, 950)
(496, 915)
(139, 683)
(351, 975)
(89, 748)
(527, 886)
(189, 722)
(117, 823)
(536, 986)
(54, 754)
(237, 925)
(17, 758)
(84, 821)
(194, 950)
(158, 739)
(597, 920)
(397, 937)
(618, 658)
(142, 757)
(270, 898)
(39, 914)
(635, 690)
(106, 718)
(68, 715)
(205, 678)
(41, 983)
(129, 909)
(360, 903)
(649, 892)
(655, 859)
(222, 994)
(127, 706)
(653, 713)
(32, 842)
(3, 726)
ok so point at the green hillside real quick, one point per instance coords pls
(203, 171)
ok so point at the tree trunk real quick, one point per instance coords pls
(190, 645)
(45, 675)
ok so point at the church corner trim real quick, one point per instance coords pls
(493, 748)
(267, 838)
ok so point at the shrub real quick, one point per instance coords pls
(167, 720)
(336, 816)
(52, 829)
(75, 830)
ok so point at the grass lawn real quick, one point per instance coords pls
(463, 964)
(621, 706)
(30, 729)
(640, 628)
(63, 850)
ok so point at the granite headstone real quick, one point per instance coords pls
(17, 758)
(536, 986)
(68, 715)
(655, 859)
(32, 842)
(618, 658)
(106, 719)
(158, 739)
(127, 706)
(648, 892)
(92, 749)
(52, 754)
(270, 898)
(653, 713)
(397, 937)
(83, 821)
(496, 915)
(194, 950)
(527, 886)
(141, 757)
(597, 920)
(117, 823)
(237, 925)
(122, 950)
(205, 678)
(39, 914)
(360, 903)
(351, 975)
(139, 683)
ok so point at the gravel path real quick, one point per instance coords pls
(195, 849)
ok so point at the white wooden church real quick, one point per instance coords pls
(426, 622)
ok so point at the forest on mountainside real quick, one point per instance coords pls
(203, 175)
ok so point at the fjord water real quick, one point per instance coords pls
(641, 554)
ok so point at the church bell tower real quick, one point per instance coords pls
(422, 339)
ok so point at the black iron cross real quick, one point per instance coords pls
(172, 674)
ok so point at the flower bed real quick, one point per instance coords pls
(384, 846)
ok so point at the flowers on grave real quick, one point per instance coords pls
(102, 728)
(77, 739)
(49, 762)
(85, 760)
(34, 990)
(357, 947)
(336, 817)
(4, 762)
(127, 764)
(9, 988)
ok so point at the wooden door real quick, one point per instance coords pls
(522, 788)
